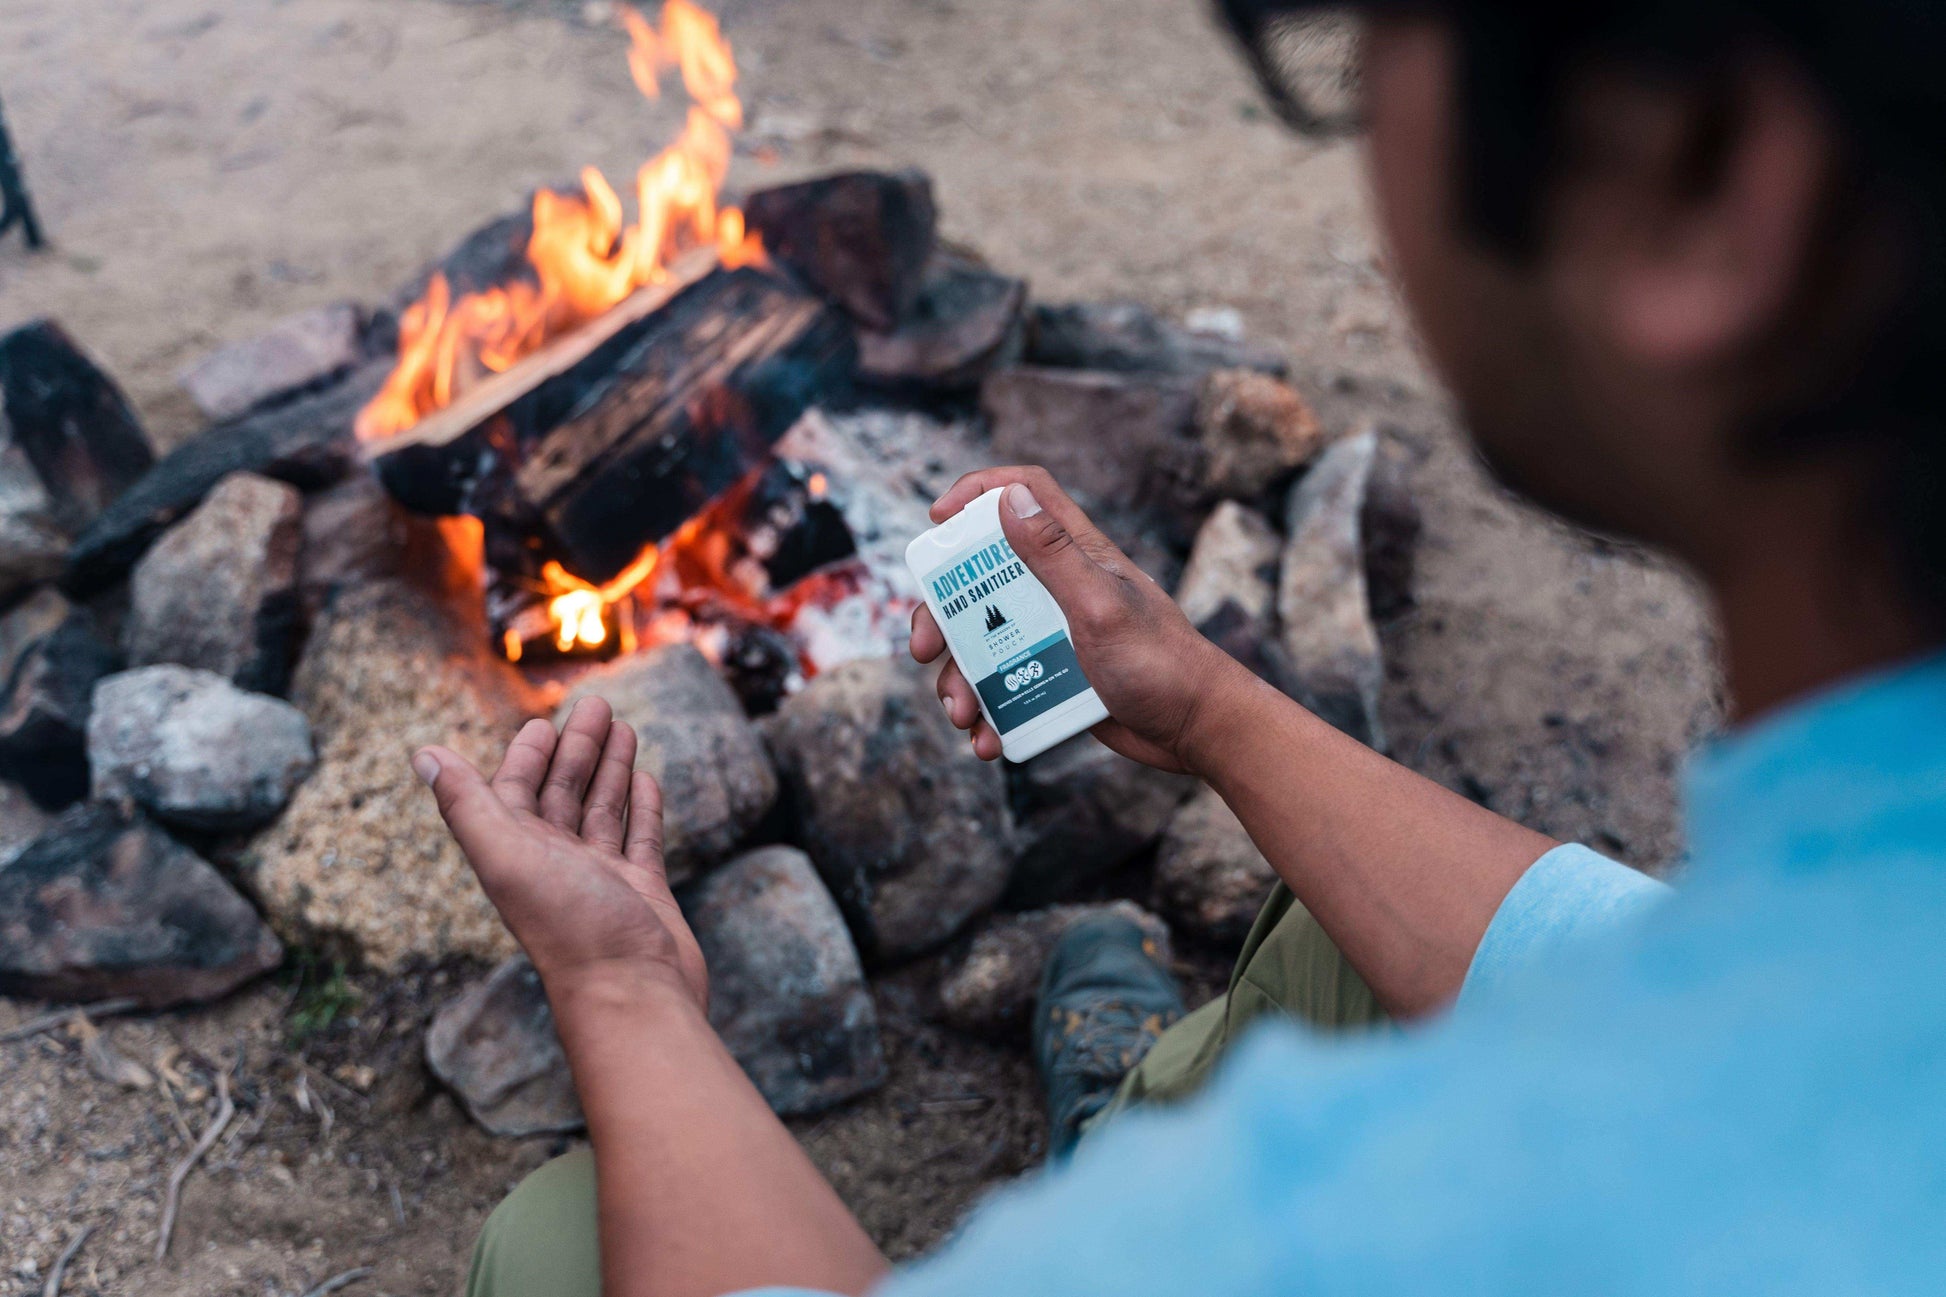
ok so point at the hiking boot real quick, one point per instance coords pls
(1104, 1000)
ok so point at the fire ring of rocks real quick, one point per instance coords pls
(688, 493)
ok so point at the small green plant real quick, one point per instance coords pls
(323, 995)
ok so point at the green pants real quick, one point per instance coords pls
(540, 1242)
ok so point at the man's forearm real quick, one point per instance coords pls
(701, 1189)
(1403, 874)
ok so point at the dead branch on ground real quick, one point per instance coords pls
(225, 1109)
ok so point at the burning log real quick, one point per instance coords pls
(704, 389)
(434, 466)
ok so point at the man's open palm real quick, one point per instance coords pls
(567, 841)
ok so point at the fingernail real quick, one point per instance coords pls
(947, 703)
(1022, 501)
(426, 766)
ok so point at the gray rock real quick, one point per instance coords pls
(991, 990)
(107, 905)
(219, 590)
(191, 748)
(1210, 879)
(1252, 640)
(20, 821)
(1128, 338)
(297, 352)
(1083, 811)
(1255, 431)
(1391, 524)
(22, 625)
(717, 780)
(1322, 604)
(787, 993)
(1111, 438)
(908, 828)
(1233, 560)
(494, 1045)
(44, 706)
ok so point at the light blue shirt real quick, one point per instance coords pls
(1740, 1088)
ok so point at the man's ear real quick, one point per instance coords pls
(1689, 215)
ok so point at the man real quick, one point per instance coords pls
(1683, 264)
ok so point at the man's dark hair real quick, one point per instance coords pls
(1881, 65)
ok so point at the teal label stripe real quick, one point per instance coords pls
(1033, 683)
(1056, 638)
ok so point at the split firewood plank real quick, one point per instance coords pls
(495, 393)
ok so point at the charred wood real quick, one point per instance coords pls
(70, 421)
(307, 442)
(695, 403)
(1128, 338)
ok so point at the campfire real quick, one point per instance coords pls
(599, 426)
(693, 436)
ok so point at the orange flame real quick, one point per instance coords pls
(585, 260)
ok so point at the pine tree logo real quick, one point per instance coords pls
(995, 619)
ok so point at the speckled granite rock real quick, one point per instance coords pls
(716, 778)
(360, 855)
(1254, 430)
(991, 990)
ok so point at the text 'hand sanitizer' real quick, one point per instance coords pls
(1004, 629)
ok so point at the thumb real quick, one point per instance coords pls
(466, 802)
(1051, 552)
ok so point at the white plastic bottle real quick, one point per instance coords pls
(1004, 629)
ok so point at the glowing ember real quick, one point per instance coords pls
(583, 257)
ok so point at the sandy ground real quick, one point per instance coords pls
(205, 167)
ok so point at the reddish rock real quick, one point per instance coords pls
(219, 590)
(103, 905)
(297, 352)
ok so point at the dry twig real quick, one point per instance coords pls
(52, 1288)
(225, 1110)
(337, 1281)
(61, 1017)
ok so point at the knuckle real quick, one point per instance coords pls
(1050, 535)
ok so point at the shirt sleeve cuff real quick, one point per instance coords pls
(1567, 895)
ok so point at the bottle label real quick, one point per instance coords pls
(1007, 633)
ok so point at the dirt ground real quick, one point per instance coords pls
(205, 166)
